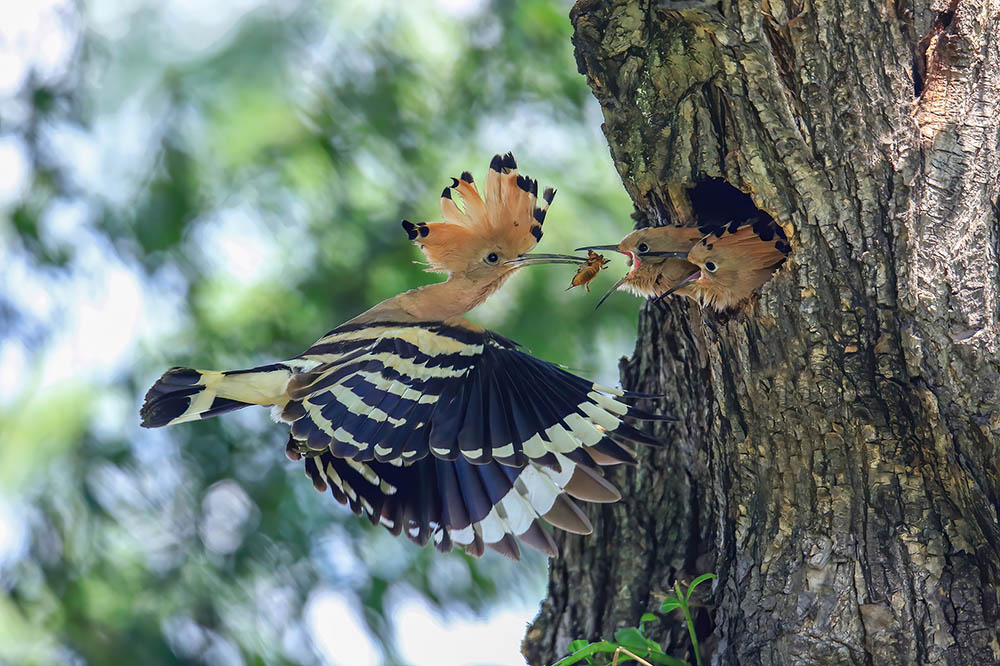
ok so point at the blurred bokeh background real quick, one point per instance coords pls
(217, 185)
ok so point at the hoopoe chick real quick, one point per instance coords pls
(656, 257)
(426, 423)
(733, 261)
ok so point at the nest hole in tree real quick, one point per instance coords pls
(716, 202)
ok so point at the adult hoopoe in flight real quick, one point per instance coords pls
(426, 423)
(715, 265)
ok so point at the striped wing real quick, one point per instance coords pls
(401, 392)
(454, 434)
(453, 502)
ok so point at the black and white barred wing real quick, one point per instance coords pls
(454, 434)
(412, 390)
(454, 502)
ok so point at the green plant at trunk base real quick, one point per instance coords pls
(631, 643)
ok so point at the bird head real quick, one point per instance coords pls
(488, 237)
(656, 257)
(735, 260)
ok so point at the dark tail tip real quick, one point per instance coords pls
(169, 397)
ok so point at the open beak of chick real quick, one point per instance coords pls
(538, 259)
(633, 261)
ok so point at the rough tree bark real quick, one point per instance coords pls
(838, 460)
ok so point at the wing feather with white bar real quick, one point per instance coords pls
(452, 434)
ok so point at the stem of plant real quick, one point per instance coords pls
(689, 620)
(628, 652)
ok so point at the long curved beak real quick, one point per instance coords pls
(611, 248)
(612, 290)
(536, 259)
(689, 279)
(645, 255)
(672, 255)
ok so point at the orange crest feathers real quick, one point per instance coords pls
(509, 219)
(444, 244)
(755, 244)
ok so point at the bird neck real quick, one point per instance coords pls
(655, 277)
(449, 299)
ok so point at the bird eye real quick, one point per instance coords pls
(492, 258)
(710, 266)
(642, 247)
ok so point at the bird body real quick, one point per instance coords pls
(734, 261)
(425, 422)
(718, 266)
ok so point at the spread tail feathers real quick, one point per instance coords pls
(184, 394)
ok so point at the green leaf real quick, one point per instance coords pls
(698, 581)
(665, 659)
(585, 652)
(669, 604)
(631, 638)
(578, 644)
(646, 617)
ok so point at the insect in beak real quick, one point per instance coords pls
(633, 261)
(690, 278)
(613, 289)
(537, 259)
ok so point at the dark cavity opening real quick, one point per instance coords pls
(918, 74)
(716, 202)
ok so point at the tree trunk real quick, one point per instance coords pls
(838, 459)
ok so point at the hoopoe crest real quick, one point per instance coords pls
(426, 423)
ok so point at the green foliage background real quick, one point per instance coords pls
(248, 182)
